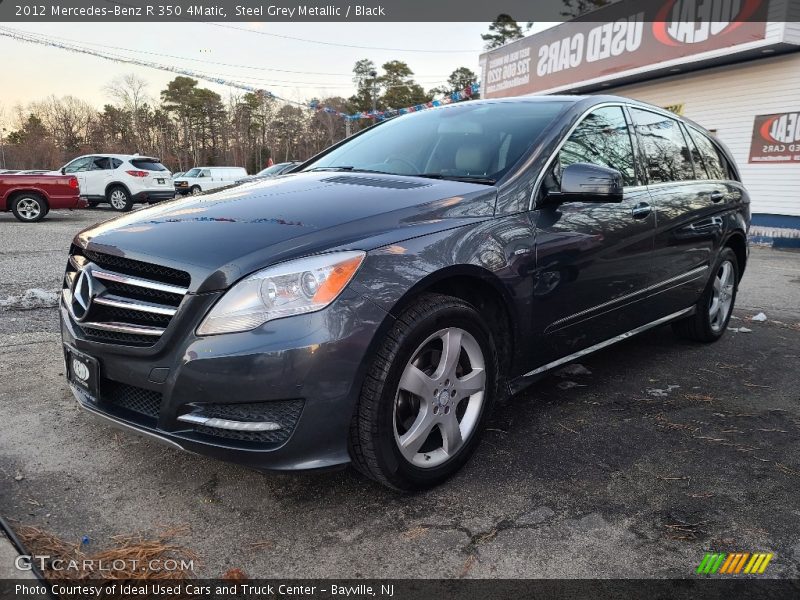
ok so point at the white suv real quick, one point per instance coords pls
(121, 179)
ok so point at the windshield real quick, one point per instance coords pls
(468, 141)
(192, 173)
(274, 169)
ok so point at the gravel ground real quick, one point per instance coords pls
(664, 450)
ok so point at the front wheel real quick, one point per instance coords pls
(29, 208)
(195, 191)
(427, 395)
(713, 310)
(119, 199)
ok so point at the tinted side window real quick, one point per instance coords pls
(99, 163)
(115, 163)
(666, 154)
(602, 138)
(147, 165)
(715, 164)
(78, 165)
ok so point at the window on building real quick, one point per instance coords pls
(667, 156)
(603, 139)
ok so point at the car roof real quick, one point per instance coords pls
(587, 100)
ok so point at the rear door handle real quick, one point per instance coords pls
(716, 196)
(641, 210)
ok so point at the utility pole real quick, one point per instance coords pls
(346, 127)
(2, 146)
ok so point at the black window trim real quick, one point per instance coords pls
(540, 177)
(679, 122)
(730, 166)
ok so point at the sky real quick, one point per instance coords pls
(32, 72)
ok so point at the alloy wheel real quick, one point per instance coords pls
(440, 397)
(722, 296)
(118, 199)
(29, 209)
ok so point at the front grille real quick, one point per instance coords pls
(285, 412)
(136, 399)
(132, 302)
(128, 266)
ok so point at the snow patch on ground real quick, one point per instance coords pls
(32, 298)
(759, 317)
(566, 385)
(572, 370)
(740, 329)
(662, 392)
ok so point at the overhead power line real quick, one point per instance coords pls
(425, 78)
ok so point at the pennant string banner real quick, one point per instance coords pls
(465, 94)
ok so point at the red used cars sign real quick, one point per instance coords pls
(776, 138)
(635, 37)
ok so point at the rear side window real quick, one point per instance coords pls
(99, 163)
(116, 163)
(603, 139)
(666, 153)
(147, 165)
(715, 164)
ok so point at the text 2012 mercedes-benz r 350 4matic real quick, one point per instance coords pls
(370, 306)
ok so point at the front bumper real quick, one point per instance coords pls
(316, 359)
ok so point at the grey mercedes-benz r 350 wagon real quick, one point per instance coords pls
(372, 305)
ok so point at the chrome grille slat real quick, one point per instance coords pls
(138, 282)
(124, 328)
(120, 302)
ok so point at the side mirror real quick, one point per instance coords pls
(63, 170)
(584, 182)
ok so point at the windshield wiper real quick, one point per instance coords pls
(464, 178)
(351, 170)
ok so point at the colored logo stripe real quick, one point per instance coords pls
(734, 564)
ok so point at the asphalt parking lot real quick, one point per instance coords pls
(657, 452)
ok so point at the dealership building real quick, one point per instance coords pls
(739, 78)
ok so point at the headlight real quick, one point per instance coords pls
(291, 288)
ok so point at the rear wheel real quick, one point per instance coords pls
(427, 395)
(29, 208)
(713, 310)
(119, 199)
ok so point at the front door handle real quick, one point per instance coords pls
(641, 210)
(716, 196)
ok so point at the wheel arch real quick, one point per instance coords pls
(14, 194)
(114, 184)
(737, 241)
(483, 290)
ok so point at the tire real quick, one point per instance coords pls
(714, 309)
(29, 208)
(383, 444)
(195, 190)
(119, 198)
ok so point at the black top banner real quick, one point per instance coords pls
(388, 10)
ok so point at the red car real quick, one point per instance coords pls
(30, 197)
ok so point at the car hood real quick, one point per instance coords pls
(220, 237)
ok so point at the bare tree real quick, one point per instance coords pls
(130, 91)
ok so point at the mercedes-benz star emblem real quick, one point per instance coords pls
(82, 295)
